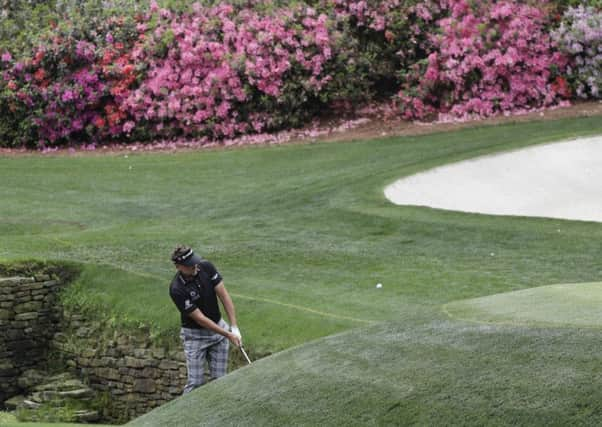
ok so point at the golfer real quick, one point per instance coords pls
(194, 291)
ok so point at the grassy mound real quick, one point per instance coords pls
(302, 234)
(576, 305)
(433, 372)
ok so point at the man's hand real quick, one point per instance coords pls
(234, 339)
(236, 331)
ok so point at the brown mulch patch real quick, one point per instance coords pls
(381, 128)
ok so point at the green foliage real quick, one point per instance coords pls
(54, 411)
(27, 22)
(15, 129)
(65, 270)
(23, 23)
(6, 418)
(565, 4)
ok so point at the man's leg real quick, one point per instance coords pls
(195, 360)
(217, 356)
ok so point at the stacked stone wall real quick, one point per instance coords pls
(29, 318)
(136, 374)
(133, 373)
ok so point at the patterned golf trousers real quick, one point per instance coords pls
(201, 345)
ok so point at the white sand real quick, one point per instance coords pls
(559, 180)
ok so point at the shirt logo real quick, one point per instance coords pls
(187, 304)
(215, 277)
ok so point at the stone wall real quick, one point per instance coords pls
(29, 317)
(137, 375)
(133, 374)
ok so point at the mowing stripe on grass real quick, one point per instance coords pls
(271, 301)
(299, 307)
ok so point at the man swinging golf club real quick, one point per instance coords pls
(205, 335)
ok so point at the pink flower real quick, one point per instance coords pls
(128, 126)
(488, 58)
(68, 95)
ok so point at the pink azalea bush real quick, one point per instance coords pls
(486, 58)
(224, 72)
(259, 69)
(71, 87)
(580, 37)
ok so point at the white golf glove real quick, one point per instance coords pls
(236, 331)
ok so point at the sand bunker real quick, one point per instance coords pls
(558, 180)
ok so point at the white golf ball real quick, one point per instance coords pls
(379, 285)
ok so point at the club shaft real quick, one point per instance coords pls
(245, 354)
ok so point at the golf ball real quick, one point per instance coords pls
(379, 285)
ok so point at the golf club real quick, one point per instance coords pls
(245, 354)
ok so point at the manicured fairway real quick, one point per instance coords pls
(302, 234)
(577, 305)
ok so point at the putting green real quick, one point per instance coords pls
(577, 305)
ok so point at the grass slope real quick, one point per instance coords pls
(302, 234)
(435, 372)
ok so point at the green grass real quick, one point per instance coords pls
(573, 305)
(18, 424)
(431, 373)
(302, 234)
(7, 419)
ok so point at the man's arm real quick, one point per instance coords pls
(224, 296)
(198, 316)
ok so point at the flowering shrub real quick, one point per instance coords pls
(580, 37)
(222, 72)
(486, 59)
(391, 35)
(565, 4)
(72, 86)
(104, 71)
